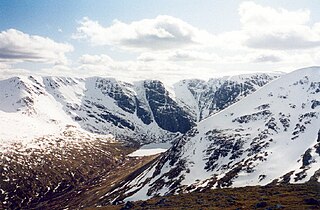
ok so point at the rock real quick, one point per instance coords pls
(128, 205)
(167, 113)
(311, 201)
(144, 204)
(261, 204)
(306, 159)
(278, 206)
(162, 202)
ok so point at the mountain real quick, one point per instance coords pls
(63, 138)
(270, 136)
(58, 171)
(204, 98)
(139, 112)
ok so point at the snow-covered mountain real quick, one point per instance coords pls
(54, 136)
(141, 112)
(138, 112)
(203, 98)
(271, 136)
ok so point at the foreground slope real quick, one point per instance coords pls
(286, 196)
(270, 136)
(70, 170)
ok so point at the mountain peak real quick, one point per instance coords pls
(145, 110)
(243, 144)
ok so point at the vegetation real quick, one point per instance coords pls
(285, 196)
(73, 172)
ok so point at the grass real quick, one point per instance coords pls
(286, 196)
(69, 174)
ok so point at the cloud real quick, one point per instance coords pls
(177, 55)
(96, 59)
(252, 14)
(168, 48)
(281, 40)
(160, 33)
(277, 29)
(267, 58)
(4, 65)
(166, 71)
(16, 46)
(102, 64)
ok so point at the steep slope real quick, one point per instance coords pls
(204, 98)
(27, 111)
(57, 171)
(139, 112)
(272, 135)
(107, 106)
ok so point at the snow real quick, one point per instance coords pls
(52, 103)
(290, 96)
(198, 96)
(150, 149)
(186, 98)
(31, 107)
(146, 152)
(282, 149)
(25, 122)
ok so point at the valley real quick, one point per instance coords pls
(75, 145)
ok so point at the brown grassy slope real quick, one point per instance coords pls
(91, 192)
(72, 172)
(298, 196)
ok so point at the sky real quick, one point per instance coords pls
(147, 39)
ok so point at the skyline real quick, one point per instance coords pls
(170, 40)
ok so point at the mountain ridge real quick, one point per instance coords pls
(144, 110)
(232, 141)
(242, 144)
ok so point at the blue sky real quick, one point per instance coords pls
(169, 38)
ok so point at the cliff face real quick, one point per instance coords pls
(270, 136)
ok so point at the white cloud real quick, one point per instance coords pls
(162, 32)
(267, 58)
(96, 59)
(178, 55)
(8, 73)
(278, 29)
(16, 46)
(4, 65)
(103, 65)
(254, 15)
(266, 36)
(166, 71)
(59, 70)
(170, 49)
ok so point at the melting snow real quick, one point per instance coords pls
(151, 149)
